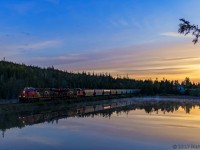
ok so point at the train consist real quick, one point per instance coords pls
(38, 94)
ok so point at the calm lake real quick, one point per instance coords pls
(125, 124)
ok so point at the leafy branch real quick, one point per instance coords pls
(185, 28)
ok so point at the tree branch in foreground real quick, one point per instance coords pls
(185, 27)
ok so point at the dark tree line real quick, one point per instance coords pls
(14, 77)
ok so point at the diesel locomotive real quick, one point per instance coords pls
(39, 94)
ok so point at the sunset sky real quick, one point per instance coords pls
(137, 38)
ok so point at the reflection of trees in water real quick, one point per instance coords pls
(53, 113)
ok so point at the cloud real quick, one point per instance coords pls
(37, 45)
(181, 58)
(174, 34)
(43, 44)
(11, 50)
(122, 22)
(65, 59)
(160, 71)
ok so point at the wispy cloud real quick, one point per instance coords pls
(181, 58)
(161, 71)
(13, 49)
(43, 44)
(64, 59)
(120, 22)
(36, 46)
(174, 34)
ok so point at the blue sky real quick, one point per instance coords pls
(135, 37)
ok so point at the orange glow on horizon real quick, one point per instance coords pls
(172, 61)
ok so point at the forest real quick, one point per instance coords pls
(14, 77)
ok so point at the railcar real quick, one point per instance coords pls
(89, 92)
(98, 92)
(113, 92)
(106, 92)
(118, 91)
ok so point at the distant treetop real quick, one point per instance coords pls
(185, 27)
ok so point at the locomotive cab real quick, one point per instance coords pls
(27, 94)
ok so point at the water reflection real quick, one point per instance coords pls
(52, 113)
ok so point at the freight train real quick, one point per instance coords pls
(38, 94)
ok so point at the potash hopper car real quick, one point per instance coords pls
(39, 94)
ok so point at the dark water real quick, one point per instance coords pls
(125, 124)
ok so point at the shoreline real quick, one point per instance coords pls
(96, 98)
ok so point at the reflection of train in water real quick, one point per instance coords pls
(83, 110)
(37, 94)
